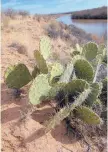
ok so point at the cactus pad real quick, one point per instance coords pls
(75, 87)
(83, 70)
(65, 112)
(45, 47)
(17, 76)
(35, 72)
(88, 115)
(8, 71)
(56, 71)
(66, 76)
(41, 63)
(39, 89)
(90, 50)
(95, 91)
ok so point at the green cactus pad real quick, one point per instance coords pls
(17, 76)
(56, 71)
(90, 50)
(88, 115)
(41, 63)
(55, 90)
(35, 72)
(103, 94)
(101, 48)
(66, 76)
(95, 91)
(39, 89)
(75, 87)
(83, 70)
(8, 71)
(45, 47)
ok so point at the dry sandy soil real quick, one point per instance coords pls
(28, 136)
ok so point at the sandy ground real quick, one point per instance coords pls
(28, 136)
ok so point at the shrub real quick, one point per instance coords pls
(20, 48)
(23, 13)
(73, 87)
(10, 13)
(37, 17)
(53, 30)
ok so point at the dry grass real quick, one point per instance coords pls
(5, 21)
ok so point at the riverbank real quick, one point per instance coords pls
(95, 13)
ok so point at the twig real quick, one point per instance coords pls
(67, 148)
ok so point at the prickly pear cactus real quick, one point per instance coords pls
(39, 89)
(41, 63)
(95, 92)
(8, 71)
(66, 111)
(45, 47)
(75, 87)
(66, 76)
(83, 70)
(55, 90)
(101, 48)
(90, 50)
(103, 94)
(17, 76)
(56, 71)
(35, 72)
(88, 115)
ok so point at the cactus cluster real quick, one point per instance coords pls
(73, 87)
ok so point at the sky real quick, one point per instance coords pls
(52, 6)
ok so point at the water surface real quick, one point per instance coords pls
(95, 27)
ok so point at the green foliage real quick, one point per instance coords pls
(17, 76)
(87, 115)
(45, 47)
(56, 71)
(35, 72)
(39, 89)
(83, 70)
(41, 62)
(90, 51)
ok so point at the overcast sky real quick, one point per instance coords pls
(52, 6)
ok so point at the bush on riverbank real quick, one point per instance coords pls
(96, 13)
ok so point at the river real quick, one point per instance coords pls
(95, 27)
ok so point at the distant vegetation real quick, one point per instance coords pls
(12, 13)
(96, 13)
